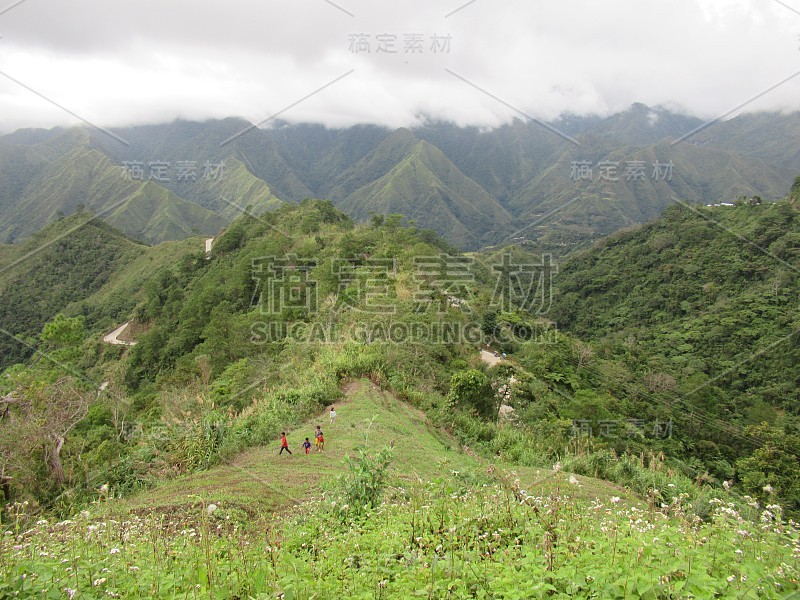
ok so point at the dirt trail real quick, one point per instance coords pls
(489, 358)
(267, 485)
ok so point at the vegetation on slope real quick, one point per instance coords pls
(82, 177)
(63, 264)
(416, 518)
(703, 303)
(223, 365)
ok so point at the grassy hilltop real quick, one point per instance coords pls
(395, 508)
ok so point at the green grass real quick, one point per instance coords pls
(451, 525)
(259, 481)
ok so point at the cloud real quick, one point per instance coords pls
(122, 64)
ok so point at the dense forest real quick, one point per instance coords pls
(663, 345)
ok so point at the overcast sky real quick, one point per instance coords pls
(390, 62)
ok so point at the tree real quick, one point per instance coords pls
(43, 403)
(772, 468)
(36, 426)
(473, 389)
(61, 339)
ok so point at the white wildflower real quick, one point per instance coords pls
(211, 508)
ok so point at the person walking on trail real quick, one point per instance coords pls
(284, 444)
(307, 446)
(319, 439)
(333, 415)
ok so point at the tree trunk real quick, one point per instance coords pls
(52, 457)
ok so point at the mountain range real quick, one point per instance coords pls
(558, 184)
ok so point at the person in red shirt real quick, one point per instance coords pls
(284, 444)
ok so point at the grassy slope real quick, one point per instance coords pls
(260, 481)
(127, 282)
(426, 186)
(232, 192)
(85, 176)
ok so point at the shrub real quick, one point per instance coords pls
(362, 487)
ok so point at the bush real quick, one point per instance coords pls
(362, 487)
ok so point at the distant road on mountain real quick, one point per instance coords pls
(112, 338)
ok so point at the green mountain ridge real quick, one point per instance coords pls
(231, 192)
(77, 265)
(522, 166)
(64, 263)
(83, 176)
(711, 290)
(770, 137)
(602, 204)
(429, 189)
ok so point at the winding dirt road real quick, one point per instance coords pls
(112, 338)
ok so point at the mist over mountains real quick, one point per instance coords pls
(558, 184)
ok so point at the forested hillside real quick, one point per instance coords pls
(292, 302)
(76, 266)
(270, 329)
(704, 303)
(703, 290)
